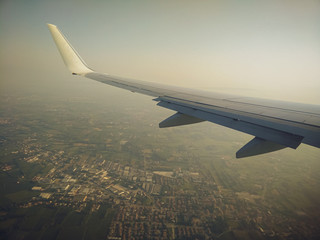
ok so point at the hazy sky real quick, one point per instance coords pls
(258, 48)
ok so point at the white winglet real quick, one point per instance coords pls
(70, 57)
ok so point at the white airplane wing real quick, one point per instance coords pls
(275, 125)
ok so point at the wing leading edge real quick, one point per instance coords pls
(274, 125)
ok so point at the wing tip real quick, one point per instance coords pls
(70, 56)
(51, 26)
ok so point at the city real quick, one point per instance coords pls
(125, 186)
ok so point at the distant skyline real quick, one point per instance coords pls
(268, 49)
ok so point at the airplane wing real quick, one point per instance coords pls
(275, 125)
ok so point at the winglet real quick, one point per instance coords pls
(69, 55)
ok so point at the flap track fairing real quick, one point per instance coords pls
(179, 119)
(258, 146)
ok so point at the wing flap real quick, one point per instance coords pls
(270, 134)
